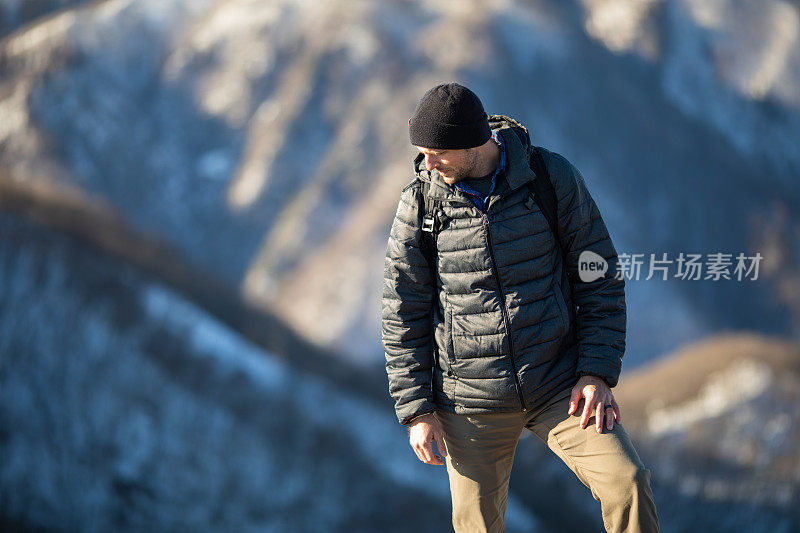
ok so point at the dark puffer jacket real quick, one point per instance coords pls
(492, 331)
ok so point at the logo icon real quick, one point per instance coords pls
(591, 266)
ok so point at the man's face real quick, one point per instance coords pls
(453, 165)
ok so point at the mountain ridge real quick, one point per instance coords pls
(268, 153)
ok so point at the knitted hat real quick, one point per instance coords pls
(449, 117)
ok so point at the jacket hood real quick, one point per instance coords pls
(517, 143)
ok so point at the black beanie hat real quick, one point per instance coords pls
(449, 117)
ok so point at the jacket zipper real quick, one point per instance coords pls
(504, 311)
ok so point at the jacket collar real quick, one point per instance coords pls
(517, 172)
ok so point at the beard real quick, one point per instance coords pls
(454, 173)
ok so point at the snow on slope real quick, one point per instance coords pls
(124, 405)
(718, 421)
(734, 65)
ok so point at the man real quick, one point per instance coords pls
(487, 327)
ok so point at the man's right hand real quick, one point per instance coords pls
(422, 432)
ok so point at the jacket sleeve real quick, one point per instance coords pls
(601, 314)
(406, 313)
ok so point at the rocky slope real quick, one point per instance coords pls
(123, 406)
(719, 423)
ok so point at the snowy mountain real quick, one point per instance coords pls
(123, 406)
(195, 198)
(718, 421)
(267, 140)
(15, 13)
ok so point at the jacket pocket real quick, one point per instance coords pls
(448, 332)
(562, 306)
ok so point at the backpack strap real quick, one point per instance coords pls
(544, 194)
(432, 219)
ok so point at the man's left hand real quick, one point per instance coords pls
(597, 395)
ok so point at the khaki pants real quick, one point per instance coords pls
(480, 452)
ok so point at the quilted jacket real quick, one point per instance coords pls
(501, 323)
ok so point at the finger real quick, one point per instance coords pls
(609, 412)
(440, 444)
(588, 407)
(598, 417)
(437, 460)
(416, 451)
(573, 401)
(427, 450)
(616, 410)
(586, 415)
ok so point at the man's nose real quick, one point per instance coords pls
(430, 163)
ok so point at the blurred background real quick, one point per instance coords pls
(195, 200)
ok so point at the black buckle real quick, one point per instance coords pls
(530, 201)
(427, 223)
